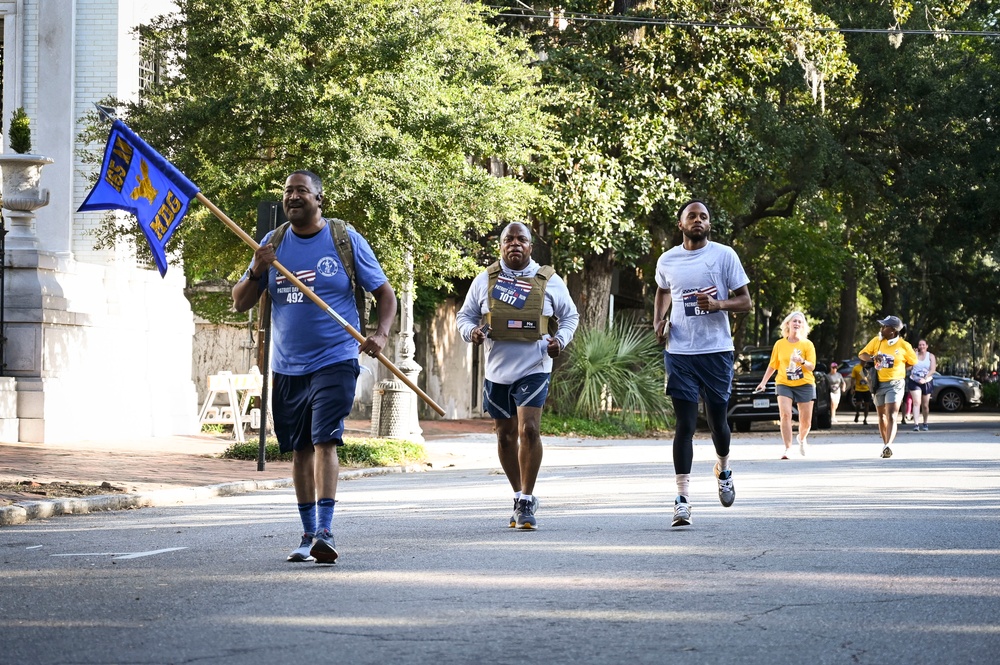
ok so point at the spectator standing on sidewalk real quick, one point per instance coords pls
(529, 319)
(697, 284)
(920, 385)
(314, 360)
(793, 358)
(891, 354)
(836, 381)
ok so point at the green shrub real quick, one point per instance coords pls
(366, 452)
(991, 395)
(20, 132)
(606, 427)
(614, 373)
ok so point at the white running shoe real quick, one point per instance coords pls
(682, 512)
(301, 553)
(727, 491)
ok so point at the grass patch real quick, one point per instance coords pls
(355, 453)
(607, 427)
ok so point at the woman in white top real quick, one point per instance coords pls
(921, 383)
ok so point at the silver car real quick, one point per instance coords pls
(954, 393)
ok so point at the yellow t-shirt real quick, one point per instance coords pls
(891, 357)
(788, 373)
(860, 382)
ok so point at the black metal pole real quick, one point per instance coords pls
(269, 215)
(265, 386)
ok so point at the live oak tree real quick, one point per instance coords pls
(402, 107)
(651, 114)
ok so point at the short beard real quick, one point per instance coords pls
(696, 236)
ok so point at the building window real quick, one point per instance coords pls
(150, 60)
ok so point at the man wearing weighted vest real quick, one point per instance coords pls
(524, 315)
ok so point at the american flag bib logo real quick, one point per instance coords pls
(690, 297)
(305, 276)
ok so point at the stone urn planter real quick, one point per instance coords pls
(22, 196)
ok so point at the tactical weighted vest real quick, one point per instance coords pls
(526, 324)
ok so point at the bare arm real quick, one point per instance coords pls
(661, 312)
(385, 297)
(247, 292)
(768, 373)
(738, 303)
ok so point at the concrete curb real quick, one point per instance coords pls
(20, 513)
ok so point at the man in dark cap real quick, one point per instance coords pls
(890, 354)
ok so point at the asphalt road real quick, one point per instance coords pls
(838, 557)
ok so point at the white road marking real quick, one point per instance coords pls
(34, 547)
(124, 555)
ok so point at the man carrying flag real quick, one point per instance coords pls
(136, 178)
(315, 360)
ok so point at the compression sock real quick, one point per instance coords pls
(325, 510)
(307, 513)
(683, 483)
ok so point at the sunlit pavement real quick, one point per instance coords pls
(836, 557)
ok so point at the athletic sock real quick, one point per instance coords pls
(517, 496)
(325, 510)
(307, 513)
(526, 497)
(683, 483)
(723, 462)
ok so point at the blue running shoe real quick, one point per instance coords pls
(323, 549)
(524, 514)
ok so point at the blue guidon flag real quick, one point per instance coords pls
(136, 178)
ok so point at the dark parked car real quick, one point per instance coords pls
(954, 393)
(746, 407)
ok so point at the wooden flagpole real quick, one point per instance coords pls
(245, 237)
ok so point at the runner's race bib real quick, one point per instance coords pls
(690, 297)
(512, 291)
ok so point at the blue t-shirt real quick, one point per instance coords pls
(714, 270)
(305, 338)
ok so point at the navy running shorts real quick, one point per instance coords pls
(500, 400)
(311, 408)
(924, 388)
(710, 374)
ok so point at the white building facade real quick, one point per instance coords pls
(96, 346)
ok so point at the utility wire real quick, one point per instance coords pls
(658, 21)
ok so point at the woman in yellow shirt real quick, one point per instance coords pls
(891, 355)
(794, 359)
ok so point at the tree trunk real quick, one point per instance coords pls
(848, 313)
(591, 290)
(884, 280)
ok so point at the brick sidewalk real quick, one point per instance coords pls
(165, 463)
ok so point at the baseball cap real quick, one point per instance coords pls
(893, 322)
